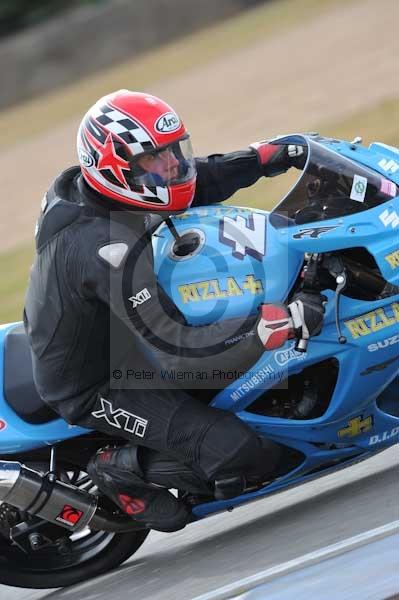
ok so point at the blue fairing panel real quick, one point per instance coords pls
(239, 261)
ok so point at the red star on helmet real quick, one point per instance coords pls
(109, 159)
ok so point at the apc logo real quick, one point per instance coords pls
(283, 357)
(167, 123)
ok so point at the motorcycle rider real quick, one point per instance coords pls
(94, 309)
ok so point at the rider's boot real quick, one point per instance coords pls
(117, 474)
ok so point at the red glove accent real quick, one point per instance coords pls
(275, 326)
(265, 151)
(275, 159)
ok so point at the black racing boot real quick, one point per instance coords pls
(118, 475)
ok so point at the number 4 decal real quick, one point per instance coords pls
(246, 235)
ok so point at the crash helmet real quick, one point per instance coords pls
(133, 148)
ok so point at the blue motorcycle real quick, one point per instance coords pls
(328, 403)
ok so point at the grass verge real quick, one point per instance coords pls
(14, 268)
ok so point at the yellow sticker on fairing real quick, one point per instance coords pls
(356, 426)
(393, 259)
(212, 289)
(373, 321)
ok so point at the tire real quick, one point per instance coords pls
(117, 548)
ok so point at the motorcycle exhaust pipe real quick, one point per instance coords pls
(53, 501)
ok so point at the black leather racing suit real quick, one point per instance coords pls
(94, 307)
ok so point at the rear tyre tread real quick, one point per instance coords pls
(121, 547)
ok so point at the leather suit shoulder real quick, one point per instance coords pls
(60, 207)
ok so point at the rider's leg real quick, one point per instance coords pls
(214, 444)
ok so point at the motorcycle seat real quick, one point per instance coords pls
(19, 388)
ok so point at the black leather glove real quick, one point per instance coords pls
(307, 312)
(275, 159)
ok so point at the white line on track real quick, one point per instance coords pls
(306, 560)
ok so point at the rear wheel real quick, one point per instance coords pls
(43, 555)
(96, 554)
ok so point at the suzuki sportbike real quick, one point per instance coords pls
(328, 403)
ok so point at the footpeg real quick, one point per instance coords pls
(229, 487)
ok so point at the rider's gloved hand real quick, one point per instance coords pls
(307, 312)
(301, 319)
(274, 326)
(275, 159)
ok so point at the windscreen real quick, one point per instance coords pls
(330, 186)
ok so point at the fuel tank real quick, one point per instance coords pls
(226, 262)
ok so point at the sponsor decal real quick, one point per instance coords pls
(388, 165)
(3, 425)
(356, 426)
(239, 338)
(69, 515)
(380, 366)
(167, 123)
(214, 211)
(383, 437)
(245, 235)
(313, 232)
(283, 357)
(265, 374)
(121, 419)
(393, 259)
(389, 218)
(212, 289)
(383, 344)
(359, 188)
(86, 160)
(374, 321)
(140, 297)
(388, 187)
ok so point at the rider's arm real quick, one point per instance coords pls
(135, 297)
(221, 175)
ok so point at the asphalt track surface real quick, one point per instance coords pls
(227, 547)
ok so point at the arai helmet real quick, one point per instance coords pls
(133, 148)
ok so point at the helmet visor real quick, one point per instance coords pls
(170, 165)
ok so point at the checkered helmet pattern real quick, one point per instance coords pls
(117, 130)
(136, 138)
